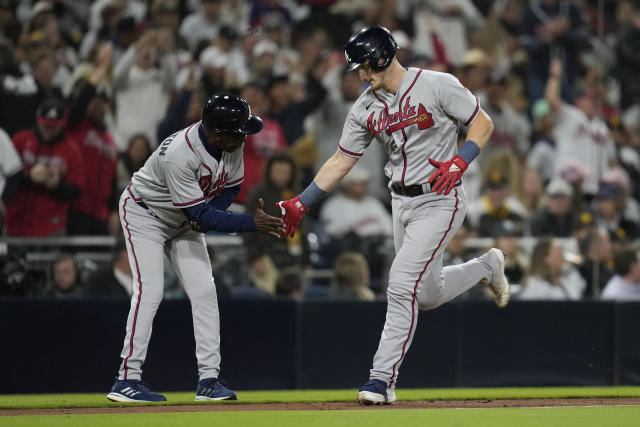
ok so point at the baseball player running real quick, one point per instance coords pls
(184, 187)
(414, 114)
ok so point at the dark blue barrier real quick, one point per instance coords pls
(537, 343)
(74, 346)
(628, 345)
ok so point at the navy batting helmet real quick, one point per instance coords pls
(229, 113)
(373, 44)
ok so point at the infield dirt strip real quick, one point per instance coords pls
(332, 406)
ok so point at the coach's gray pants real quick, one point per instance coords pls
(148, 241)
(422, 228)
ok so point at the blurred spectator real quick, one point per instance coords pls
(115, 280)
(552, 28)
(498, 38)
(496, 204)
(259, 147)
(556, 217)
(511, 129)
(530, 190)
(203, 24)
(268, 254)
(291, 283)
(474, 70)
(597, 265)
(625, 285)
(441, 24)
(185, 109)
(54, 175)
(10, 173)
(289, 112)
(354, 210)
(143, 81)
(138, 151)
(506, 235)
(628, 66)
(21, 94)
(65, 278)
(609, 212)
(542, 155)
(96, 207)
(550, 277)
(351, 278)
(581, 134)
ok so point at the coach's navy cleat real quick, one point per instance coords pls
(375, 392)
(133, 391)
(213, 389)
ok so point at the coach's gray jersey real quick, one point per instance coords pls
(182, 173)
(418, 122)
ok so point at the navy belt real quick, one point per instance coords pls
(410, 190)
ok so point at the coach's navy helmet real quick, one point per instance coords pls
(374, 44)
(227, 112)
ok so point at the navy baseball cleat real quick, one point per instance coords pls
(375, 392)
(213, 389)
(133, 391)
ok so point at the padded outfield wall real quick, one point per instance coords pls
(73, 346)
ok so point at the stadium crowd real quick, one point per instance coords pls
(88, 89)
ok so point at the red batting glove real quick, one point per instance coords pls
(292, 212)
(447, 173)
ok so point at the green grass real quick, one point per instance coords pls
(521, 417)
(45, 401)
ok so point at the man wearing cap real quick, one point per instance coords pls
(53, 175)
(556, 218)
(542, 156)
(496, 205)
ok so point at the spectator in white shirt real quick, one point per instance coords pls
(353, 210)
(550, 277)
(625, 285)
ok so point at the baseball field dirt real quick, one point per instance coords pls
(497, 407)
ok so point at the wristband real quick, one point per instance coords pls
(311, 194)
(469, 151)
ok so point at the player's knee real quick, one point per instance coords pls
(203, 292)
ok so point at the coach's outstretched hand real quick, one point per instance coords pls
(292, 212)
(266, 223)
(447, 174)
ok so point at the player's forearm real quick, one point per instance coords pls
(333, 170)
(211, 219)
(480, 130)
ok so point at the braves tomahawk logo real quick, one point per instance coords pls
(407, 116)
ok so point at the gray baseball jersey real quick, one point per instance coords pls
(415, 124)
(418, 122)
(181, 172)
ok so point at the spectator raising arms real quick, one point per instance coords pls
(90, 213)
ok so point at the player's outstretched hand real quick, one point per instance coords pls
(266, 223)
(292, 212)
(447, 174)
(195, 226)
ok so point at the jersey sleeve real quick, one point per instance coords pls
(355, 137)
(456, 100)
(236, 173)
(183, 185)
(10, 161)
